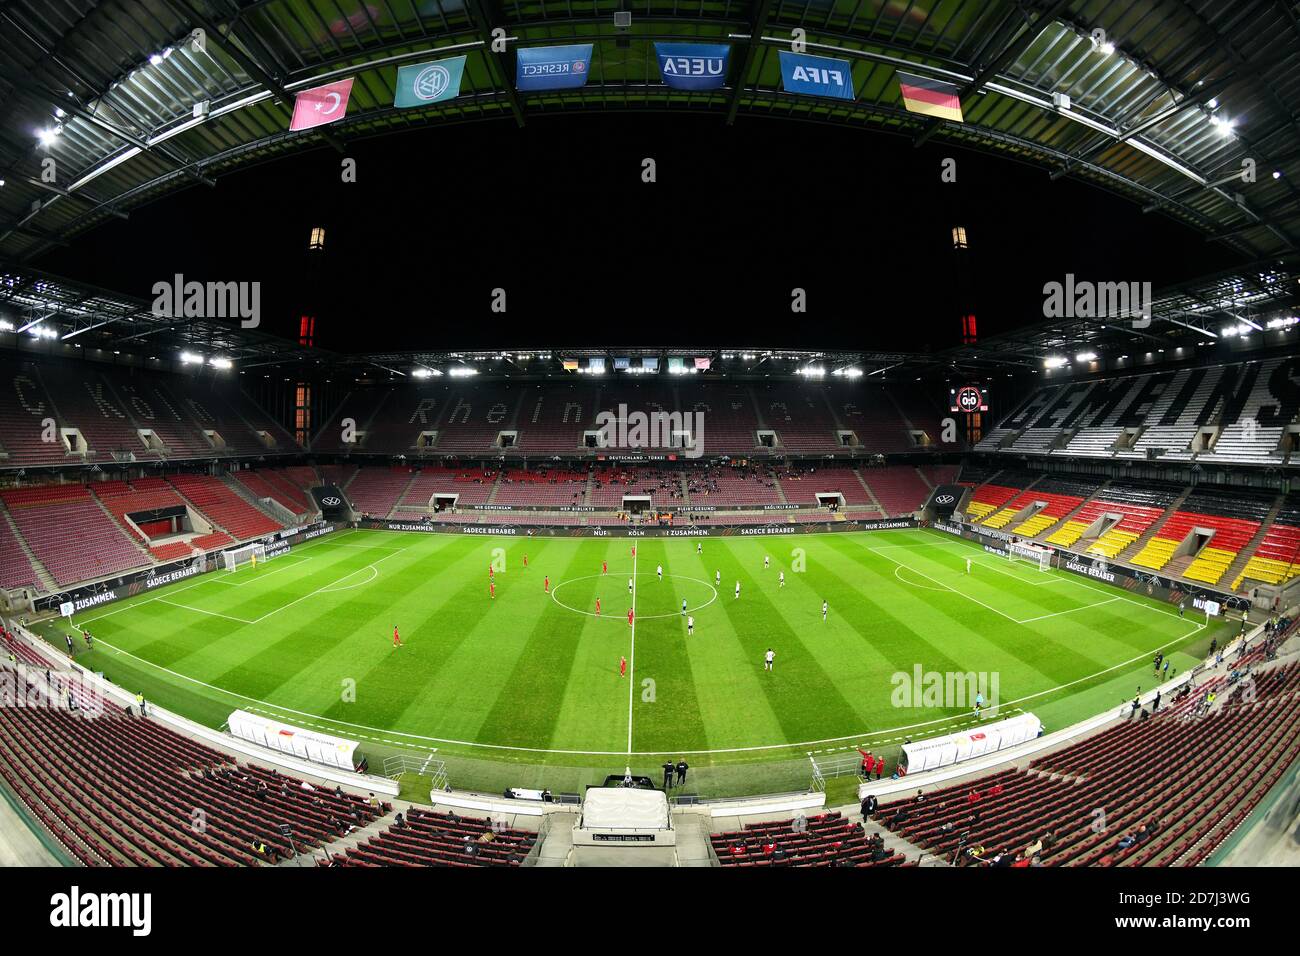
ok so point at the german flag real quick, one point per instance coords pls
(930, 97)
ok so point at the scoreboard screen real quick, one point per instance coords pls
(968, 398)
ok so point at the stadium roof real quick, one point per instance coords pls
(1247, 309)
(1167, 99)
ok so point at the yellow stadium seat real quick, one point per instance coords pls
(1068, 533)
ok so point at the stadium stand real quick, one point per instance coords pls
(226, 509)
(118, 790)
(730, 485)
(874, 418)
(470, 486)
(429, 838)
(359, 407)
(375, 491)
(1277, 558)
(1209, 529)
(24, 405)
(900, 489)
(1119, 515)
(261, 485)
(472, 418)
(70, 534)
(800, 417)
(990, 498)
(827, 840)
(16, 569)
(545, 487)
(1035, 511)
(801, 485)
(1233, 414)
(1150, 774)
(552, 418)
(609, 483)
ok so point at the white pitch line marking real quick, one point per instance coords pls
(631, 664)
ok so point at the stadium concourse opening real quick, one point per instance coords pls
(849, 436)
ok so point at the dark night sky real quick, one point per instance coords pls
(557, 214)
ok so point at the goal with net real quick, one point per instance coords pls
(1030, 553)
(249, 553)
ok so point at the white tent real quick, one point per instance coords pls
(625, 808)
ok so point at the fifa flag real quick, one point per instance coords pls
(322, 105)
(426, 83)
(693, 66)
(816, 75)
(930, 97)
(553, 67)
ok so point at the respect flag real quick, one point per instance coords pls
(552, 67)
(426, 83)
(322, 105)
(930, 97)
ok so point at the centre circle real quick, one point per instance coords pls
(615, 579)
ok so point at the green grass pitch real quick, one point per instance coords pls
(525, 687)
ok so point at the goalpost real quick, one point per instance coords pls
(1030, 553)
(235, 557)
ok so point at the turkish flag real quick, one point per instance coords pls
(322, 105)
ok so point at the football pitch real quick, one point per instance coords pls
(526, 686)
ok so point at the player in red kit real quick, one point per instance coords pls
(525, 560)
(604, 567)
(397, 641)
(634, 551)
(490, 572)
(622, 667)
(492, 588)
(597, 607)
(546, 584)
(629, 617)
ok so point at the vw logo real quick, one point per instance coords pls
(332, 501)
(431, 83)
(944, 499)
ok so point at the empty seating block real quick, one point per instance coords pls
(70, 534)
(1277, 558)
(226, 509)
(122, 791)
(375, 491)
(899, 488)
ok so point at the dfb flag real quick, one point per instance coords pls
(322, 105)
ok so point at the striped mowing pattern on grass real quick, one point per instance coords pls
(533, 676)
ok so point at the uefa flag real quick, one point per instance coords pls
(426, 83)
(322, 105)
(693, 66)
(930, 97)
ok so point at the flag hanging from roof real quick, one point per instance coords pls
(930, 97)
(321, 105)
